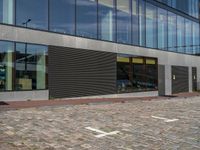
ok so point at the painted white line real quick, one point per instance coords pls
(106, 134)
(165, 119)
(102, 133)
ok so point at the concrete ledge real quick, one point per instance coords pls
(24, 95)
(125, 95)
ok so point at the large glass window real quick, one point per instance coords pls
(86, 18)
(123, 21)
(162, 29)
(135, 22)
(188, 36)
(6, 65)
(32, 13)
(124, 82)
(151, 70)
(136, 74)
(180, 34)
(31, 70)
(142, 33)
(151, 26)
(172, 32)
(6, 11)
(106, 18)
(139, 80)
(62, 16)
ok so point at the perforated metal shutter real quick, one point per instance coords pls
(180, 79)
(77, 72)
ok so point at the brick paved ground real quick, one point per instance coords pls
(64, 127)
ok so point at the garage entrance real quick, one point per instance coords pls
(180, 79)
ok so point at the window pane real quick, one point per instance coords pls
(135, 21)
(142, 23)
(139, 74)
(6, 11)
(6, 65)
(30, 67)
(32, 13)
(106, 20)
(123, 21)
(162, 29)
(188, 36)
(151, 26)
(86, 18)
(196, 43)
(62, 16)
(171, 31)
(124, 83)
(180, 34)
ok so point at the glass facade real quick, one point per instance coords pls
(23, 66)
(135, 74)
(132, 22)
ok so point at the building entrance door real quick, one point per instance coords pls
(194, 78)
(180, 79)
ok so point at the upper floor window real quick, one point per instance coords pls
(86, 18)
(32, 13)
(62, 16)
(6, 11)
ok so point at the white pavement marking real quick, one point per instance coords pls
(165, 119)
(102, 133)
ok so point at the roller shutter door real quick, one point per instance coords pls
(180, 79)
(77, 72)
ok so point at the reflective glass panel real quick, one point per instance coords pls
(135, 21)
(136, 74)
(32, 13)
(106, 18)
(142, 34)
(86, 18)
(139, 81)
(124, 83)
(62, 16)
(151, 26)
(31, 70)
(151, 74)
(123, 21)
(6, 11)
(6, 65)
(188, 36)
(162, 29)
(180, 34)
(171, 31)
(196, 38)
